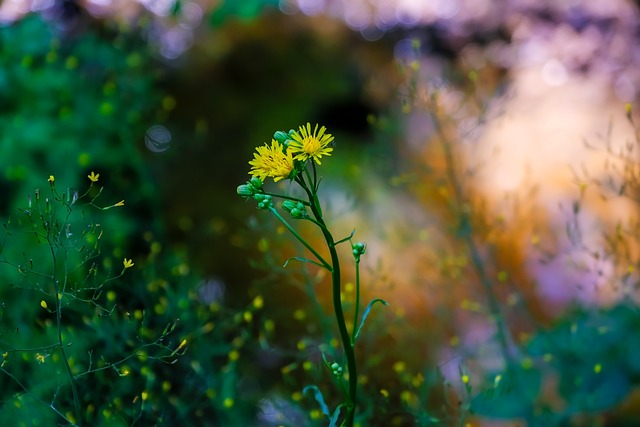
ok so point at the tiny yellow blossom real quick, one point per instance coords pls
(120, 203)
(40, 357)
(399, 366)
(43, 304)
(258, 302)
(94, 176)
(128, 263)
(51, 179)
(182, 344)
(310, 145)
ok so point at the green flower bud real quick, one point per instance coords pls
(245, 190)
(264, 201)
(289, 205)
(280, 136)
(256, 183)
(359, 249)
(336, 369)
(296, 209)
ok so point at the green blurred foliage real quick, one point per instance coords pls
(69, 106)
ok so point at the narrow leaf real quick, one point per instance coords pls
(302, 259)
(333, 422)
(365, 314)
(317, 394)
(346, 238)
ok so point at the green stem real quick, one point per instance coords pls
(295, 199)
(357, 307)
(337, 307)
(58, 296)
(300, 238)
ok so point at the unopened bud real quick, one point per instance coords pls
(280, 136)
(256, 183)
(296, 209)
(359, 249)
(245, 190)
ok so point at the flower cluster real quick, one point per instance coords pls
(289, 152)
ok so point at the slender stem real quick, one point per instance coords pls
(315, 177)
(357, 307)
(282, 196)
(58, 296)
(300, 239)
(37, 399)
(337, 307)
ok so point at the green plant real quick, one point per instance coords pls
(293, 156)
(61, 326)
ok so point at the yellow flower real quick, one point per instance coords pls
(271, 162)
(120, 203)
(40, 357)
(128, 263)
(307, 145)
(51, 179)
(94, 176)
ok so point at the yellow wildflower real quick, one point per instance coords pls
(120, 203)
(51, 179)
(40, 357)
(271, 162)
(94, 176)
(307, 145)
(128, 263)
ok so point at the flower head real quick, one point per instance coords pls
(128, 263)
(307, 145)
(120, 203)
(271, 162)
(94, 176)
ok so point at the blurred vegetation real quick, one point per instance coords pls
(82, 101)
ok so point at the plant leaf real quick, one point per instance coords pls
(365, 314)
(302, 259)
(346, 238)
(333, 422)
(317, 394)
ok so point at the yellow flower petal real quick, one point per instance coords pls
(271, 162)
(310, 145)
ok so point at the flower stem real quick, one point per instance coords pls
(337, 307)
(357, 307)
